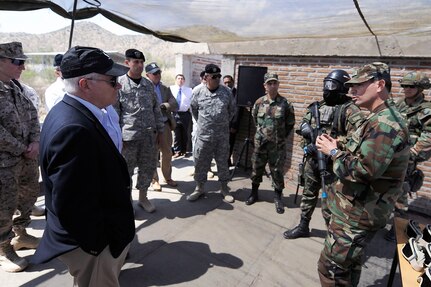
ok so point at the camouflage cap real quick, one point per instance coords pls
(12, 50)
(270, 77)
(377, 70)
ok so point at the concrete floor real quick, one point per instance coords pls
(213, 243)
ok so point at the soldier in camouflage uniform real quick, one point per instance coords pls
(417, 112)
(339, 117)
(212, 107)
(274, 119)
(19, 138)
(370, 175)
(141, 123)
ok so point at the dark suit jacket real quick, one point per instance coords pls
(170, 103)
(87, 185)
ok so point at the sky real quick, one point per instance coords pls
(44, 21)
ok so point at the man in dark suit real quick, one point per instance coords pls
(90, 219)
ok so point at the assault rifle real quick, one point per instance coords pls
(310, 135)
(321, 160)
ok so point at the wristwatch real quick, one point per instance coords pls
(333, 151)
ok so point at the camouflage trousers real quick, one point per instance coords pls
(204, 150)
(143, 155)
(340, 262)
(273, 155)
(19, 188)
(351, 228)
(312, 186)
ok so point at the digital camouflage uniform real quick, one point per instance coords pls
(340, 122)
(140, 121)
(212, 113)
(370, 173)
(274, 119)
(19, 188)
(418, 117)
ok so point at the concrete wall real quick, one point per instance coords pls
(301, 80)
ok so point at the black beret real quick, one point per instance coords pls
(57, 60)
(212, 69)
(78, 61)
(135, 54)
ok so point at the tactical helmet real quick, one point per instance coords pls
(417, 79)
(334, 91)
(335, 80)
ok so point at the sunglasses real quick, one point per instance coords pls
(17, 62)
(218, 76)
(113, 81)
(407, 87)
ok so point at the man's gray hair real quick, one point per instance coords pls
(71, 85)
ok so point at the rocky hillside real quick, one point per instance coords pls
(90, 34)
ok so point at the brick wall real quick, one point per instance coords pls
(301, 80)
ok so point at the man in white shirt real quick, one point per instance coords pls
(183, 95)
(55, 92)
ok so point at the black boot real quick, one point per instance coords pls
(390, 235)
(301, 230)
(253, 195)
(279, 205)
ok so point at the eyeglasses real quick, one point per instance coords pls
(113, 81)
(157, 73)
(407, 87)
(218, 76)
(17, 62)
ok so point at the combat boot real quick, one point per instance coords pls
(23, 240)
(253, 197)
(198, 192)
(144, 202)
(301, 230)
(226, 194)
(9, 260)
(279, 205)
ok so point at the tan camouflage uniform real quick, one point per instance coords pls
(19, 126)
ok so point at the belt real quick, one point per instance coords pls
(182, 112)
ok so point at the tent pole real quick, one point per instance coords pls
(73, 23)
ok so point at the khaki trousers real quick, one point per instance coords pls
(94, 271)
(165, 149)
